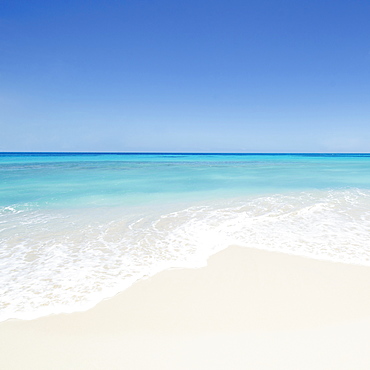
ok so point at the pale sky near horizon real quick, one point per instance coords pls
(185, 76)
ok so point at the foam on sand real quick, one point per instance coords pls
(54, 262)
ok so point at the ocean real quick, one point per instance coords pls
(77, 228)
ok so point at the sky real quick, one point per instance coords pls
(185, 76)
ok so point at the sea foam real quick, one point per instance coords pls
(54, 261)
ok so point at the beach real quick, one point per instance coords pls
(186, 261)
(247, 309)
(184, 185)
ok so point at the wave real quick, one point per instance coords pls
(54, 261)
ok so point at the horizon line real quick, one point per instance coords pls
(159, 152)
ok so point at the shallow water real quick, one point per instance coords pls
(78, 228)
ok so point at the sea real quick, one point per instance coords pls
(77, 228)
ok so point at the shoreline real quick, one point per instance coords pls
(244, 300)
(91, 305)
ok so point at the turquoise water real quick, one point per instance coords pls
(76, 228)
(89, 180)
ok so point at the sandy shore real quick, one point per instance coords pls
(248, 309)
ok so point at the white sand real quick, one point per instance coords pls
(248, 309)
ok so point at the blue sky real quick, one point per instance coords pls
(185, 76)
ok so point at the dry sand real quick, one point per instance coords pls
(248, 309)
